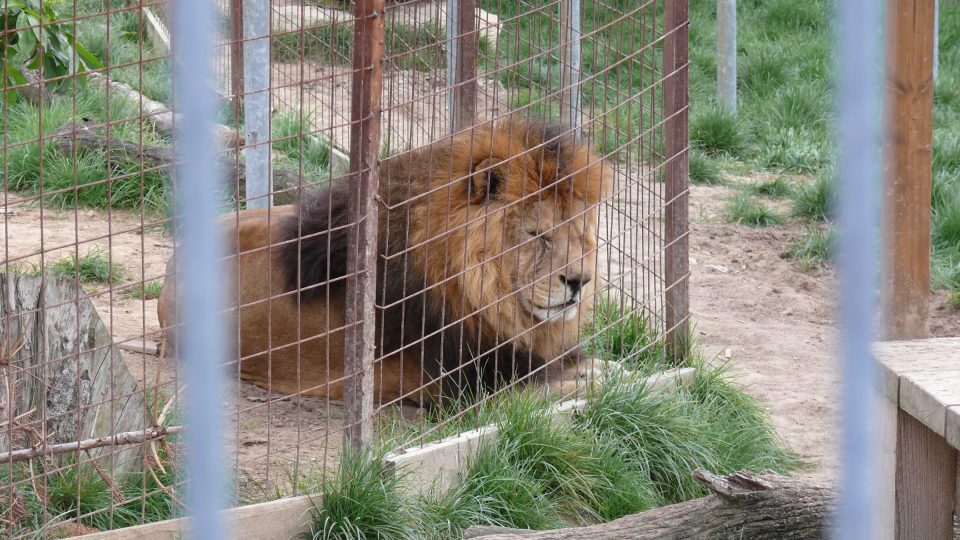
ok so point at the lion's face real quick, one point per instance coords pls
(554, 259)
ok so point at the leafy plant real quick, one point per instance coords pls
(33, 39)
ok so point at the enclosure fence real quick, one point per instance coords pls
(425, 207)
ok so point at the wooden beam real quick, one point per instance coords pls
(274, 520)
(362, 235)
(907, 149)
(926, 481)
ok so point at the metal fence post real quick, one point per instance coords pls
(570, 58)
(858, 137)
(203, 334)
(359, 341)
(463, 42)
(256, 102)
(909, 137)
(727, 53)
(676, 186)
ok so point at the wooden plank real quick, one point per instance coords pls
(676, 183)
(905, 284)
(282, 519)
(952, 434)
(360, 316)
(927, 394)
(885, 486)
(139, 345)
(926, 476)
(896, 358)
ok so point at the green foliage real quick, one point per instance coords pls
(33, 39)
(813, 200)
(625, 335)
(778, 187)
(94, 267)
(716, 131)
(362, 502)
(813, 247)
(149, 290)
(293, 139)
(703, 169)
(746, 210)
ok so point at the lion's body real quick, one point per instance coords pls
(473, 287)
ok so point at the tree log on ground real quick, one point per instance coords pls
(741, 505)
(87, 136)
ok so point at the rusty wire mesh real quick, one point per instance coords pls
(90, 225)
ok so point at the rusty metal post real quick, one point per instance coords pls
(462, 52)
(362, 237)
(905, 288)
(676, 186)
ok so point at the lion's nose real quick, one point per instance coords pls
(575, 281)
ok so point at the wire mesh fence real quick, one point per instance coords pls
(425, 206)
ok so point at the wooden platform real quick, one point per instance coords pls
(918, 481)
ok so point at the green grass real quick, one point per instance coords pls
(746, 210)
(80, 492)
(146, 291)
(703, 169)
(778, 187)
(716, 131)
(631, 449)
(814, 247)
(813, 200)
(300, 149)
(93, 267)
(623, 335)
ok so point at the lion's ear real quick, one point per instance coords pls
(488, 177)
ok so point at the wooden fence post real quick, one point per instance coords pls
(362, 235)
(463, 47)
(908, 169)
(676, 184)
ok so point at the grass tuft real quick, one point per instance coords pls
(778, 187)
(703, 169)
(146, 291)
(813, 248)
(813, 200)
(746, 210)
(94, 267)
(716, 131)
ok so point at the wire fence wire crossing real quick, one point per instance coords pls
(249, 239)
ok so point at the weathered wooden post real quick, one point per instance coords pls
(362, 236)
(676, 187)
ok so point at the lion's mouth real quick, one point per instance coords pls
(571, 302)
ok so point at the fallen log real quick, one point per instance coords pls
(86, 136)
(741, 505)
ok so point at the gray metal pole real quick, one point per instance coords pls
(256, 102)
(202, 333)
(727, 53)
(936, 38)
(570, 61)
(859, 140)
(453, 46)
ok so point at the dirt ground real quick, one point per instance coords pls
(774, 324)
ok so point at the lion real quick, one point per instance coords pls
(486, 271)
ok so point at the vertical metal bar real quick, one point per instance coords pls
(453, 54)
(464, 91)
(256, 102)
(362, 238)
(203, 334)
(676, 187)
(907, 150)
(236, 57)
(570, 61)
(858, 135)
(936, 38)
(727, 53)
